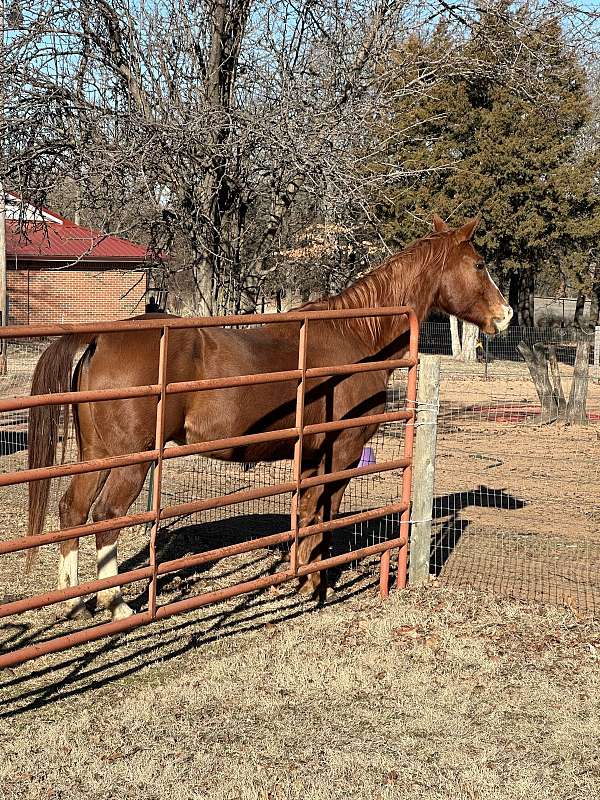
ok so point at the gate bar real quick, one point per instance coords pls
(159, 444)
(118, 326)
(166, 567)
(178, 451)
(183, 387)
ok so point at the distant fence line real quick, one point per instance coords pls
(435, 339)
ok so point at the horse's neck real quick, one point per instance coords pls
(380, 289)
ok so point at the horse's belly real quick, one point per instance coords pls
(232, 413)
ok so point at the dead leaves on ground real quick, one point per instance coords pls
(506, 641)
(412, 634)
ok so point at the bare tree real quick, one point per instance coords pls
(218, 130)
(207, 119)
(464, 348)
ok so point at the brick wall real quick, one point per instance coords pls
(55, 296)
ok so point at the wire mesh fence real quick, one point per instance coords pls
(516, 508)
(500, 354)
(516, 504)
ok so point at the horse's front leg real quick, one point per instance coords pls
(310, 548)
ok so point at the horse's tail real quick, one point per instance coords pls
(53, 373)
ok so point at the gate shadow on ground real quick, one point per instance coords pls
(121, 658)
(101, 663)
(177, 542)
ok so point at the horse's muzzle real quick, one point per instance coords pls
(502, 323)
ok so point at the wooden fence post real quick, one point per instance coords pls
(428, 395)
(597, 353)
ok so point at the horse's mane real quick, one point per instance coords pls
(405, 278)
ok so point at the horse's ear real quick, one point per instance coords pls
(465, 233)
(439, 225)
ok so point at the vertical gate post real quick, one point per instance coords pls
(297, 463)
(597, 353)
(159, 444)
(409, 435)
(428, 397)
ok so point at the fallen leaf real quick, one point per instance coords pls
(433, 642)
(408, 632)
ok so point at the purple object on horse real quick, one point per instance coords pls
(367, 457)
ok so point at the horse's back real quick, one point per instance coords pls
(131, 359)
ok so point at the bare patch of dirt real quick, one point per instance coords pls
(517, 503)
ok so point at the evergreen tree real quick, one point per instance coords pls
(482, 145)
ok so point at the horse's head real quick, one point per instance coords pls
(466, 289)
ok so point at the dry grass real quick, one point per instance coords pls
(437, 693)
(434, 694)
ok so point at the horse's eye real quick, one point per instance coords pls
(480, 265)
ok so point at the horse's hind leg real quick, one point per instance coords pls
(74, 508)
(310, 547)
(119, 492)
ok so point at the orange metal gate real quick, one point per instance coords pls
(159, 454)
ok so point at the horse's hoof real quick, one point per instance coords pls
(122, 611)
(308, 591)
(80, 611)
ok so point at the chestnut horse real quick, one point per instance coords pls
(443, 270)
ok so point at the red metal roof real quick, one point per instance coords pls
(64, 241)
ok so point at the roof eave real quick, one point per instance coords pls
(109, 262)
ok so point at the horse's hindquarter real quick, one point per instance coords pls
(132, 359)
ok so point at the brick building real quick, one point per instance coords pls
(58, 271)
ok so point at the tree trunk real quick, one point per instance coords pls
(513, 296)
(526, 297)
(204, 288)
(538, 369)
(595, 306)
(579, 309)
(556, 381)
(469, 342)
(456, 349)
(576, 414)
